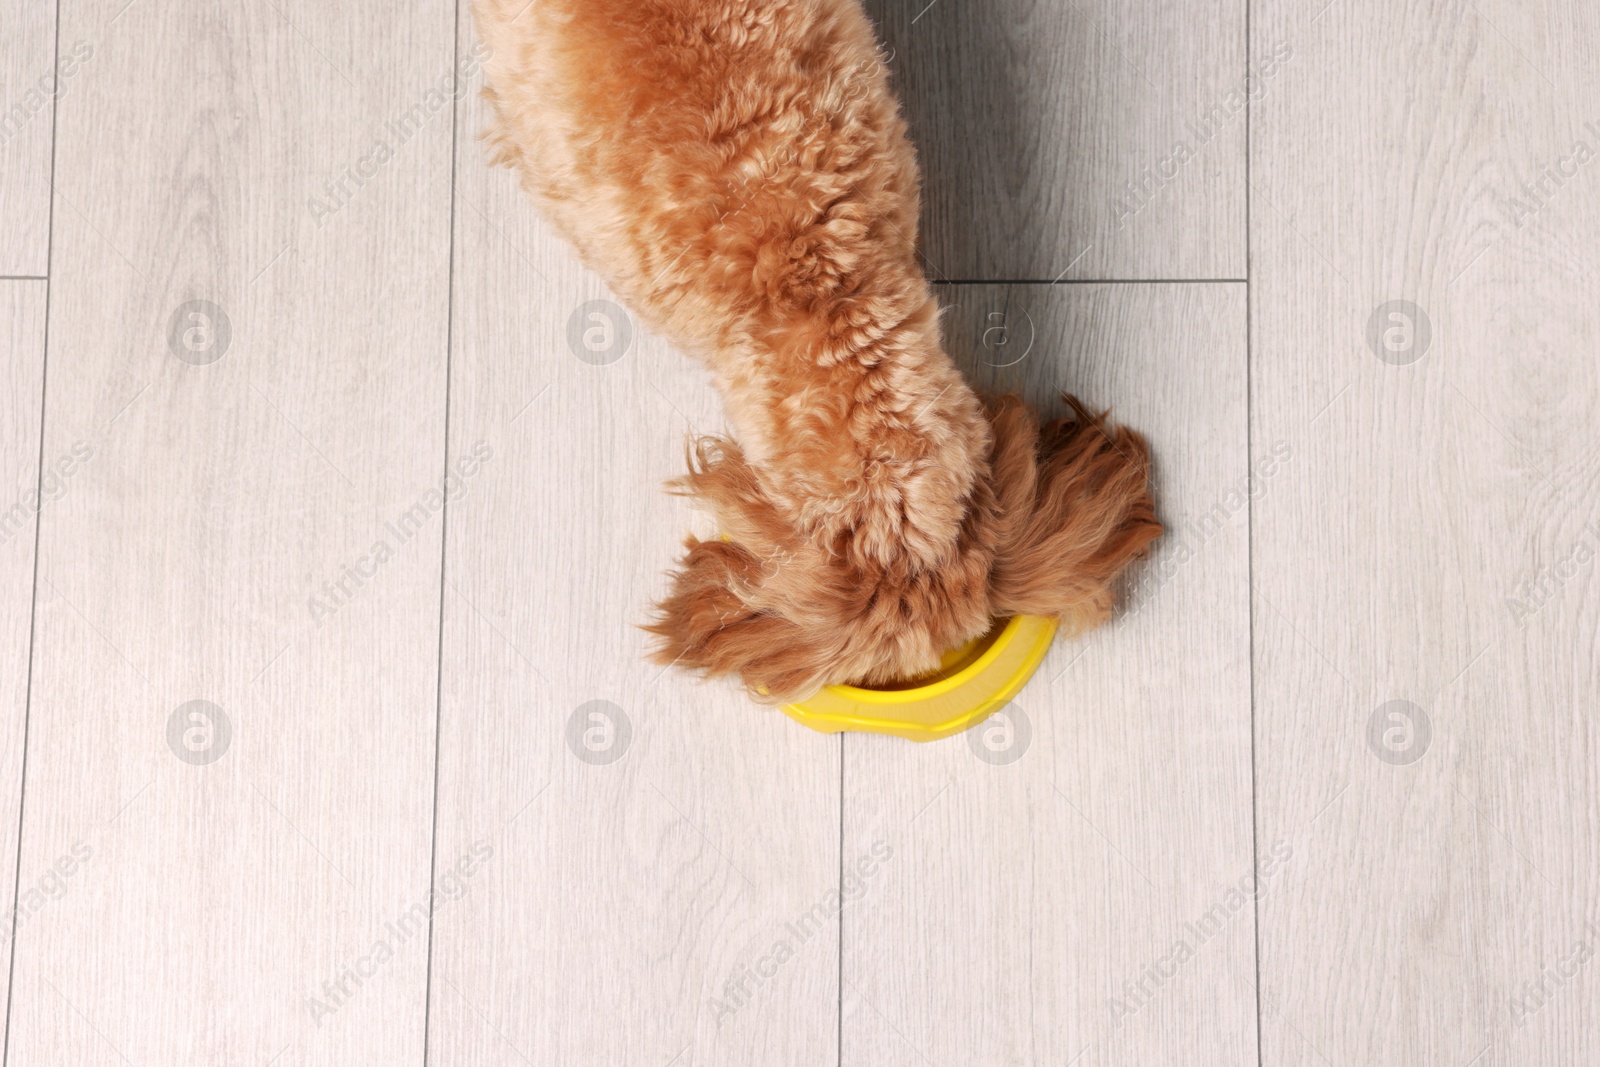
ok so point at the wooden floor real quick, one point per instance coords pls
(325, 732)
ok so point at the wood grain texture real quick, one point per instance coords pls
(645, 863)
(1434, 543)
(29, 83)
(1085, 139)
(1033, 907)
(1426, 528)
(242, 459)
(22, 311)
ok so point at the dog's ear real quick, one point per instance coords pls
(704, 624)
(725, 612)
(1075, 510)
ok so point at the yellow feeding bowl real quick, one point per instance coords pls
(972, 683)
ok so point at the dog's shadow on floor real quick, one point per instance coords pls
(978, 124)
(985, 114)
(981, 126)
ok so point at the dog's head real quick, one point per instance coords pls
(1056, 515)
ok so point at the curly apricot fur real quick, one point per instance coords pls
(739, 173)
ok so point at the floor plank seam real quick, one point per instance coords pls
(1089, 281)
(444, 535)
(33, 600)
(1250, 517)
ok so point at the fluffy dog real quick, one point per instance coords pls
(738, 171)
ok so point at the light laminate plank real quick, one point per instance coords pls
(22, 311)
(646, 862)
(1087, 139)
(30, 80)
(1048, 865)
(249, 870)
(1434, 545)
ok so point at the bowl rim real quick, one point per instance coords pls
(1008, 633)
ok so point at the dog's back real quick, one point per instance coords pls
(739, 173)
